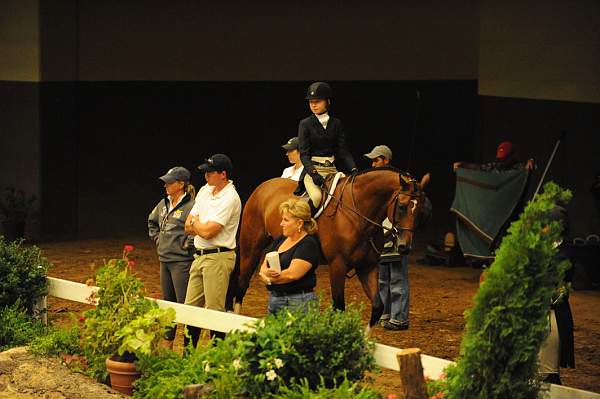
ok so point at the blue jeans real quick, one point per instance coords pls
(279, 301)
(393, 290)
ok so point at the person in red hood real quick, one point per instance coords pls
(505, 160)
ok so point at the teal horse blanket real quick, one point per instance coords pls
(484, 203)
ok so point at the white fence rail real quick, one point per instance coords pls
(385, 356)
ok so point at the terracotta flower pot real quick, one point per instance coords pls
(122, 375)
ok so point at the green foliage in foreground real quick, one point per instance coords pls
(124, 321)
(17, 327)
(57, 340)
(509, 319)
(23, 271)
(346, 390)
(291, 351)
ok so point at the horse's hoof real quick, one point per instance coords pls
(237, 308)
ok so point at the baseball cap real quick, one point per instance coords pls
(292, 144)
(218, 163)
(504, 149)
(380, 151)
(178, 173)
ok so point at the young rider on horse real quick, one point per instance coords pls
(322, 143)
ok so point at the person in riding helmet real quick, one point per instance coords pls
(322, 143)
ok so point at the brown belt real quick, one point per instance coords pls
(212, 250)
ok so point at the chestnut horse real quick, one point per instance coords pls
(350, 229)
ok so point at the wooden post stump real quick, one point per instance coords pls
(411, 374)
(196, 391)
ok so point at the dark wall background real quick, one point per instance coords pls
(98, 99)
(107, 143)
(20, 149)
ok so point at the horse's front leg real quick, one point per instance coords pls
(369, 278)
(337, 279)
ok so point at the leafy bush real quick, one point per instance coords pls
(509, 319)
(56, 341)
(319, 347)
(15, 205)
(165, 377)
(23, 271)
(293, 350)
(119, 323)
(17, 327)
(346, 390)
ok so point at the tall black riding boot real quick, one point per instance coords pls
(300, 189)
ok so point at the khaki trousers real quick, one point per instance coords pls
(209, 280)
(314, 191)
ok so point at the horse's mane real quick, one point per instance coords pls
(391, 168)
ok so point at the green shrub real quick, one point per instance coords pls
(292, 350)
(218, 364)
(124, 321)
(56, 341)
(346, 390)
(17, 327)
(23, 271)
(320, 347)
(509, 319)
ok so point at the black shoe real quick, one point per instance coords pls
(388, 325)
(552, 378)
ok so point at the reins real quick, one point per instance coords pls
(354, 209)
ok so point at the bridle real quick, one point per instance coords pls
(395, 230)
(415, 193)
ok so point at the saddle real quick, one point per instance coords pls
(331, 181)
(327, 191)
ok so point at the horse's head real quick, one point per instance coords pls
(408, 209)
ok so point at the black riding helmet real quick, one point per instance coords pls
(319, 90)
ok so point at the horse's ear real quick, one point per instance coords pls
(424, 181)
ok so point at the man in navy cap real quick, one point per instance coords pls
(291, 150)
(214, 221)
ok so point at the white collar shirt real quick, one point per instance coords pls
(291, 173)
(224, 208)
(171, 204)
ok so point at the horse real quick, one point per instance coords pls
(349, 229)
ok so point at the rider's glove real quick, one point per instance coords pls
(318, 179)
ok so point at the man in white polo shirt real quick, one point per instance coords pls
(214, 220)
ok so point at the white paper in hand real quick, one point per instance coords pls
(273, 261)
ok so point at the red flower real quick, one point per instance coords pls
(82, 319)
(391, 396)
(128, 248)
(131, 263)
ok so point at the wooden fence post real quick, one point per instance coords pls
(411, 374)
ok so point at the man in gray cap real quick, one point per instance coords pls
(214, 221)
(293, 154)
(381, 155)
(393, 266)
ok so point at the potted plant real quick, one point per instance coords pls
(14, 207)
(123, 325)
